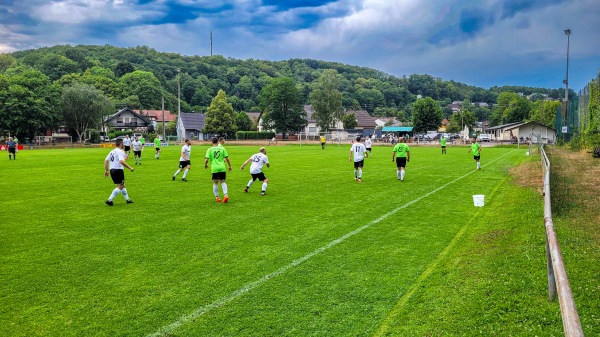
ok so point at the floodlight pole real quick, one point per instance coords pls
(178, 93)
(566, 81)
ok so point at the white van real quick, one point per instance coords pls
(483, 137)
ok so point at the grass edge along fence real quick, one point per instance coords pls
(558, 282)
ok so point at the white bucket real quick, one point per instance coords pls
(478, 200)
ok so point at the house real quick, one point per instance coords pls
(190, 125)
(389, 121)
(311, 128)
(156, 116)
(535, 131)
(126, 119)
(364, 121)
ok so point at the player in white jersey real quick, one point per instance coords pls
(127, 145)
(368, 147)
(258, 161)
(184, 160)
(358, 150)
(115, 162)
(137, 150)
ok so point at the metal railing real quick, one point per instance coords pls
(558, 282)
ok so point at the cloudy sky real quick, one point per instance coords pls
(482, 43)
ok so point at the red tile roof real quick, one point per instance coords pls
(156, 115)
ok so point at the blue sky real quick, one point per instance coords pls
(482, 43)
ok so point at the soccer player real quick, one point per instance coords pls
(217, 156)
(127, 144)
(137, 150)
(157, 147)
(443, 144)
(476, 149)
(401, 153)
(368, 147)
(184, 160)
(12, 148)
(258, 161)
(115, 161)
(323, 140)
(358, 150)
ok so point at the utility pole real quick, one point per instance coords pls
(178, 93)
(211, 42)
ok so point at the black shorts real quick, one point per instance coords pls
(157, 149)
(118, 176)
(127, 148)
(219, 175)
(137, 154)
(358, 164)
(400, 161)
(477, 157)
(369, 149)
(184, 163)
(443, 147)
(12, 150)
(260, 176)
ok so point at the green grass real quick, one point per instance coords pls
(411, 258)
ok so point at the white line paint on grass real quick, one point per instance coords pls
(169, 329)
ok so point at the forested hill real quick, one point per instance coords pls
(141, 76)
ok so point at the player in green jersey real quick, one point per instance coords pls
(217, 156)
(476, 149)
(157, 147)
(401, 154)
(443, 144)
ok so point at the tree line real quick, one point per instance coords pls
(38, 88)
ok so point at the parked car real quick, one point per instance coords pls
(484, 137)
(120, 137)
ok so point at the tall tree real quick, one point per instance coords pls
(220, 116)
(281, 105)
(427, 115)
(326, 99)
(123, 67)
(83, 107)
(544, 112)
(29, 102)
(145, 86)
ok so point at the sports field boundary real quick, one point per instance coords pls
(170, 328)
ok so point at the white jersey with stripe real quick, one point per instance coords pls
(126, 141)
(258, 161)
(137, 145)
(186, 151)
(114, 159)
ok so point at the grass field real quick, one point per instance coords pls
(320, 255)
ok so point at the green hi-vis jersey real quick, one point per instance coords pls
(401, 150)
(157, 142)
(475, 149)
(216, 155)
(443, 141)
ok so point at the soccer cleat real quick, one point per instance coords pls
(354, 178)
(263, 193)
(246, 190)
(129, 201)
(173, 178)
(109, 203)
(218, 199)
(225, 199)
(183, 179)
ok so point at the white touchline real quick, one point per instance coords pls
(168, 329)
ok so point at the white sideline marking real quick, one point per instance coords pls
(169, 329)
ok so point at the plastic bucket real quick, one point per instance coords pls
(478, 200)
